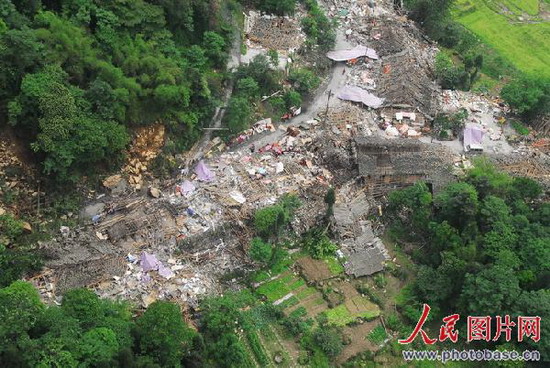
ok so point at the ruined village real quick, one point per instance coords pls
(366, 131)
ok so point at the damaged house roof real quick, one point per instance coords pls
(378, 157)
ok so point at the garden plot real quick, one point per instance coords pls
(315, 270)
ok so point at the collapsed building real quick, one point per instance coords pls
(386, 165)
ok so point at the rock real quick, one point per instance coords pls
(112, 181)
(2, 211)
(92, 210)
(278, 358)
(116, 184)
(154, 192)
(27, 227)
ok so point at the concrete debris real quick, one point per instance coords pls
(154, 192)
(274, 32)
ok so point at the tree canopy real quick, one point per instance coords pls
(484, 248)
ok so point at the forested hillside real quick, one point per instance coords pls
(483, 248)
(77, 76)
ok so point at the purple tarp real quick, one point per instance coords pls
(356, 52)
(203, 172)
(187, 188)
(149, 262)
(357, 94)
(473, 135)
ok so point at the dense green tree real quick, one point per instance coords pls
(249, 88)
(329, 340)
(238, 114)
(458, 204)
(163, 335)
(490, 292)
(260, 251)
(278, 7)
(412, 206)
(304, 80)
(20, 307)
(527, 95)
(83, 305)
(214, 46)
(98, 347)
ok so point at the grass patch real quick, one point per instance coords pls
(290, 302)
(260, 276)
(334, 265)
(275, 289)
(526, 46)
(530, 7)
(306, 292)
(377, 335)
(298, 312)
(519, 127)
(341, 316)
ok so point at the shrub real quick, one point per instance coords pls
(519, 127)
(260, 251)
(304, 80)
(329, 340)
(527, 95)
(257, 348)
(377, 335)
(292, 99)
(318, 245)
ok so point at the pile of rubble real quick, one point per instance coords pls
(147, 144)
(273, 32)
(16, 181)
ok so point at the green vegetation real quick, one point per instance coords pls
(318, 245)
(342, 316)
(484, 247)
(89, 332)
(278, 7)
(525, 45)
(260, 251)
(334, 265)
(377, 335)
(17, 256)
(80, 76)
(528, 96)
(318, 28)
(272, 220)
(443, 123)
(519, 127)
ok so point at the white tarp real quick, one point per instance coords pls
(356, 52)
(357, 94)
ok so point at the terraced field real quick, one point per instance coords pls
(516, 29)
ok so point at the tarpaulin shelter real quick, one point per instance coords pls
(149, 262)
(203, 172)
(473, 137)
(357, 94)
(354, 53)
